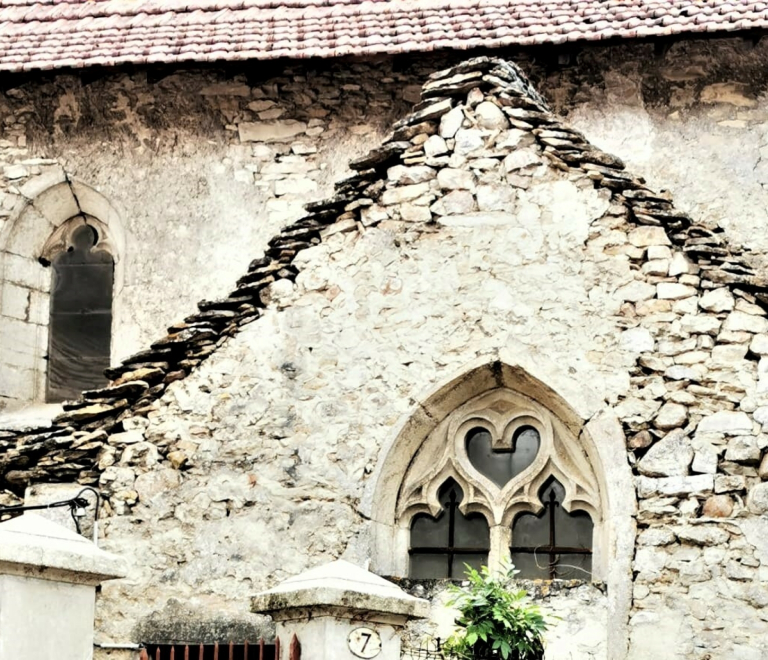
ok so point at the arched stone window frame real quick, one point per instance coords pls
(49, 204)
(502, 412)
(579, 412)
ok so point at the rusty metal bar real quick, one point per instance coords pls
(294, 651)
(186, 651)
(157, 654)
(277, 648)
(245, 651)
(143, 655)
(173, 653)
(261, 649)
(215, 651)
(231, 651)
(200, 652)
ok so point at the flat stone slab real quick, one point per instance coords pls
(35, 546)
(340, 585)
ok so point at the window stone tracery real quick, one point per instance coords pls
(502, 450)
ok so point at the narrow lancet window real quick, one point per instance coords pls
(554, 543)
(441, 546)
(80, 326)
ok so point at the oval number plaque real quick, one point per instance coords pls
(364, 642)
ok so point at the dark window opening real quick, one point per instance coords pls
(441, 546)
(501, 465)
(554, 544)
(223, 651)
(80, 327)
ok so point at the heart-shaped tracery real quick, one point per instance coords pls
(502, 465)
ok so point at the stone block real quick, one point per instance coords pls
(759, 345)
(270, 131)
(717, 300)
(679, 265)
(757, 500)
(659, 252)
(674, 291)
(455, 179)
(468, 140)
(300, 187)
(490, 116)
(729, 422)
(743, 449)
(728, 355)
(646, 236)
(637, 340)
(456, 202)
(671, 456)
(636, 291)
(35, 186)
(25, 271)
(451, 122)
(671, 416)
(682, 486)
(403, 193)
(39, 308)
(702, 535)
(496, 197)
(29, 233)
(403, 175)
(435, 146)
(16, 382)
(707, 324)
(705, 460)
(743, 322)
(718, 506)
(15, 301)
(57, 204)
(729, 483)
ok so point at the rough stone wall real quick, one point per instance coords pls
(265, 449)
(281, 429)
(172, 150)
(202, 166)
(276, 439)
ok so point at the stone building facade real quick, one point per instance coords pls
(494, 246)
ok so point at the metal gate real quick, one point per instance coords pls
(225, 651)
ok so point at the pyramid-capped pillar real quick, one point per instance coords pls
(340, 611)
(48, 580)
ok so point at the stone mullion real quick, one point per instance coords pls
(498, 555)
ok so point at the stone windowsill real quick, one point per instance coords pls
(429, 588)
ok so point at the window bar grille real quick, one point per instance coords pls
(451, 506)
(220, 651)
(552, 550)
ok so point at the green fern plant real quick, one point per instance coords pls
(495, 619)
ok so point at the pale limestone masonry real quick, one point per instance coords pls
(464, 249)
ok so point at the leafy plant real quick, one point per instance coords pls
(495, 619)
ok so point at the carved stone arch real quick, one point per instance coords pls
(51, 205)
(592, 441)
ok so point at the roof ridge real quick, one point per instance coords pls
(69, 448)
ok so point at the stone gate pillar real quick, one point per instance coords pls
(340, 611)
(48, 579)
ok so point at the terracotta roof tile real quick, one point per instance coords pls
(42, 34)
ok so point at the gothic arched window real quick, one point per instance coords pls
(500, 479)
(80, 327)
(555, 543)
(440, 546)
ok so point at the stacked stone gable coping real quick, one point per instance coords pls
(393, 182)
